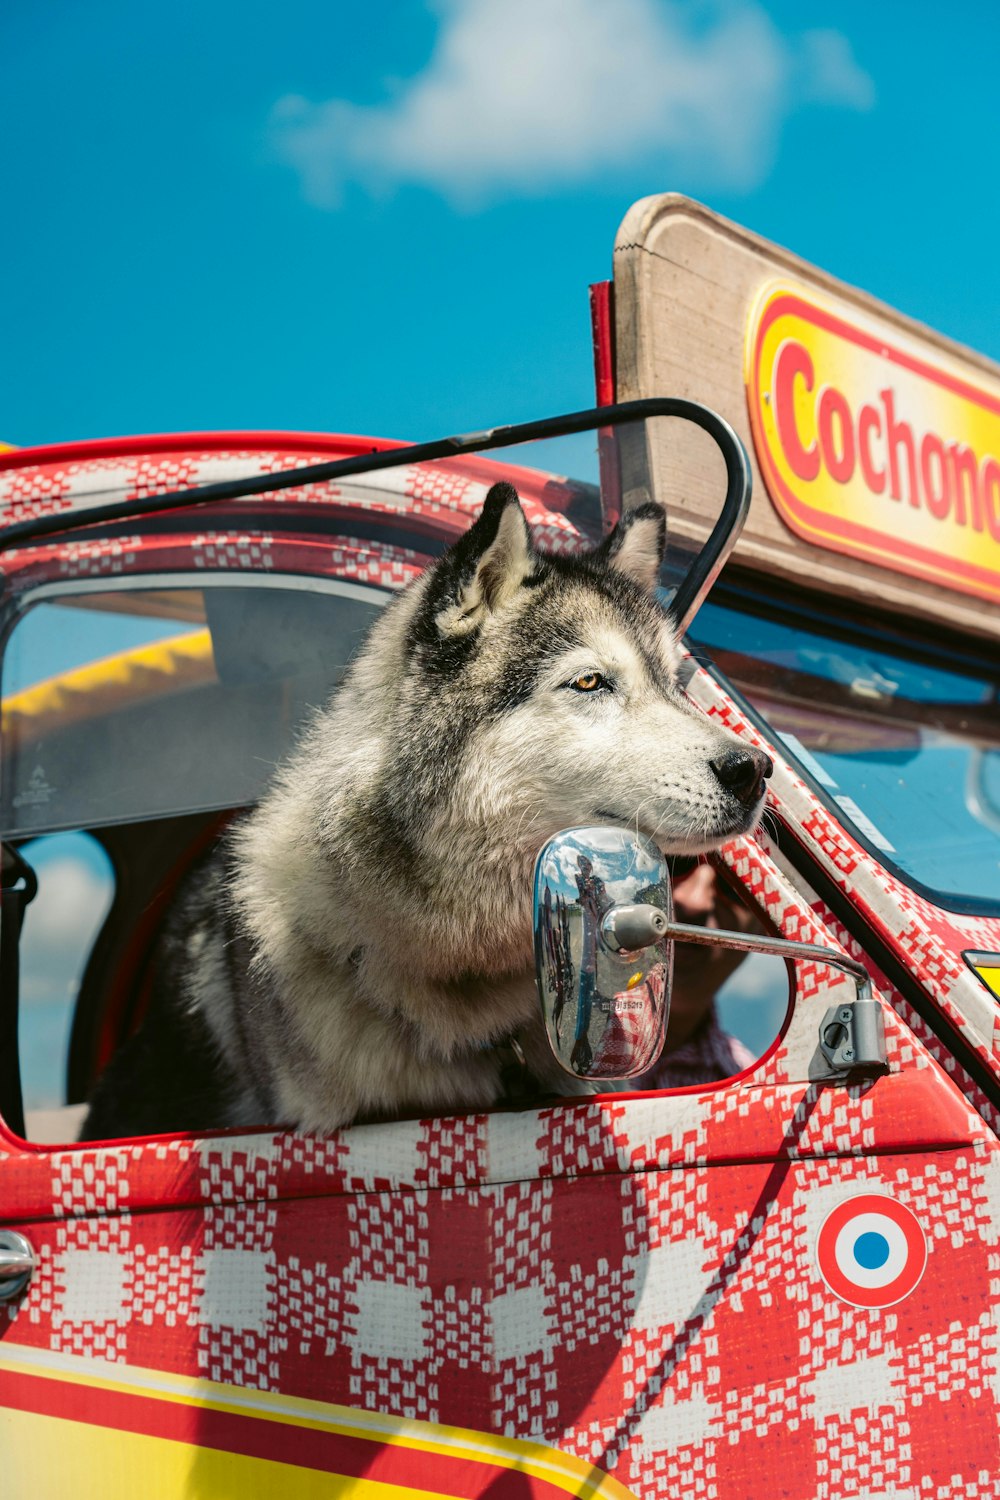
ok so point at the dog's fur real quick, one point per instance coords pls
(363, 941)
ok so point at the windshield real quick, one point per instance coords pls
(909, 750)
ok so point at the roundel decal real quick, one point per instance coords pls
(871, 1251)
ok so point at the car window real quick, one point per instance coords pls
(129, 717)
(139, 704)
(726, 1007)
(907, 749)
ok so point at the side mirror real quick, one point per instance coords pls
(604, 936)
(602, 908)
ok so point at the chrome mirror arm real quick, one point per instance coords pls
(746, 942)
(851, 1035)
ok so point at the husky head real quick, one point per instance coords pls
(502, 697)
(541, 692)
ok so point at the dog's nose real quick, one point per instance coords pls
(743, 772)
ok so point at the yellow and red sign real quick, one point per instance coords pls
(872, 446)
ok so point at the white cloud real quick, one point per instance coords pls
(525, 96)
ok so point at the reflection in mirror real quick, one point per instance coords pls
(605, 1006)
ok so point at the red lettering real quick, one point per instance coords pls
(990, 490)
(838, 458)
(937, 493)
(869, 421)
(964, 464)
(792, 362)
(944, 476)
(897, 433)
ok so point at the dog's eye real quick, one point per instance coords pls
(588, 682)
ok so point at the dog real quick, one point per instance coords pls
(360, 947)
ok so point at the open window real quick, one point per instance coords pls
(149, 694)
(726, 1007)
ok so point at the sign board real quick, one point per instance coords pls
(875, 442)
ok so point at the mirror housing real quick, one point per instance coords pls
(604, 936)
(602, 909)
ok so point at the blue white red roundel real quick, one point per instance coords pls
(871, 1251)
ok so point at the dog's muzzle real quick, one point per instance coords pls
(743, 771)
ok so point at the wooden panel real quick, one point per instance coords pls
(685, 283)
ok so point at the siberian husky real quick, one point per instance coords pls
(361, 947)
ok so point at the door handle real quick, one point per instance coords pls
(17, 1261)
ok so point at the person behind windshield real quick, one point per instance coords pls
(697, 1050)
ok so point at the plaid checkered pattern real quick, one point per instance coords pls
(669, 1324)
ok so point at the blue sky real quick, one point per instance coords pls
(384, 218)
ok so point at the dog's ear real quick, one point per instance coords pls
(488, 565)
(637, 544)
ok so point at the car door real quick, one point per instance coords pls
(650, 1285)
